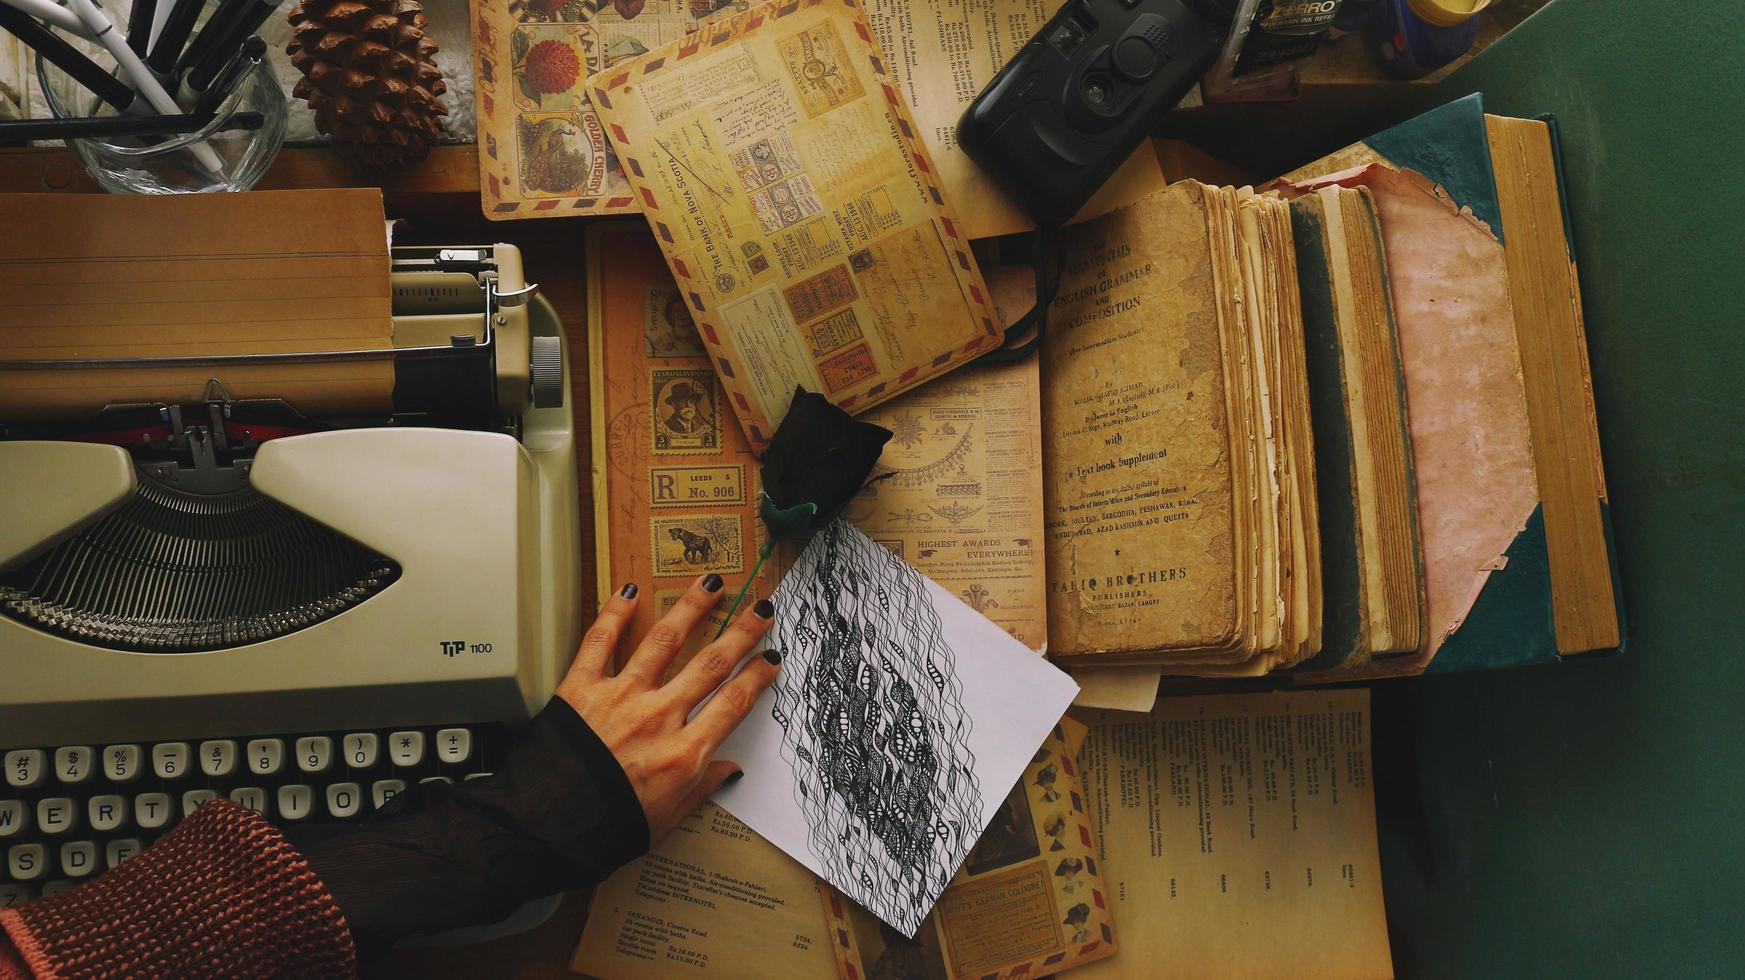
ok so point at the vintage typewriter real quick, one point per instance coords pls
(303, 614)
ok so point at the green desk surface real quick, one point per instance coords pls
(1588, 819)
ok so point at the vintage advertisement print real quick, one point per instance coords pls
(532, 58)
(687, 415)
(786, 184)
(694, 544)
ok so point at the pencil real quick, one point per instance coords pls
(20, 131)
(65, 57)
(168, 46)
(139, 25)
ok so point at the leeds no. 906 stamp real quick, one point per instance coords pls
(697, 543)
(686, 411)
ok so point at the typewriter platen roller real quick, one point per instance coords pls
(222, 553)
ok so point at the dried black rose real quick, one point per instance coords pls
(819, 458)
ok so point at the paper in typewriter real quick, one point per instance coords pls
(1237, 835)
(1030, 901)
(800, 213)
(110, 276)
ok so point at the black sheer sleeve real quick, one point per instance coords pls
(560, 815)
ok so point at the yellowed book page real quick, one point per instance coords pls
(542, 150)
(1118, 688)
(1239, 830)
(958, 491)
(942, 54)
(800, 213)
(714, 899)
(95, 276)
(1029, 900)
(1137, 472)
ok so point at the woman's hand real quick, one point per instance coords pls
(643, 721)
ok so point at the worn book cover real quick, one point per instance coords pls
(799, 211)
(1029, 901)
(1137, 445)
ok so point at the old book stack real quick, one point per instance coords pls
(1180, 507)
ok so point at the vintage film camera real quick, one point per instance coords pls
(1072, 105)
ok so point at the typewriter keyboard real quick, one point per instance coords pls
(68, 813)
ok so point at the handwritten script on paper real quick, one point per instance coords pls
(900, 719)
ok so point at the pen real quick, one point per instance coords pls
(65, 57)
(167, 46)
(139, 25)
(143, 80)
(209, 32)
(248, 19)
(21, 131)
(215, 92)
(55, 14)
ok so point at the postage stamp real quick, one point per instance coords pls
(843, 370)
(767, 161)
(832, 333)
(785, 204)
(818, 63)
(686, 410)
(697, 543)
(828, 290)
(667, 327)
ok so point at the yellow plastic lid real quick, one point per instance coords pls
(1447, 13)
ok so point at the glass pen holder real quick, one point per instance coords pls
(170, 164)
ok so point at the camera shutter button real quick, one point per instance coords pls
(1135, 58)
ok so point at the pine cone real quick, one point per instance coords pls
(370, 75)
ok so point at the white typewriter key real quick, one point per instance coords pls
(194, 798)
(170, 759)
(13, 816)
(386, 789)
(121, 763)
(151, 810)
(118, 851)
(344, 799)
(360, 749)
(24, 862)
(79, 859)
(437, 779)
(454, 744)
(56, 815)
(73, 763)
(252, 797)
(106, 812)
(406, 748)
(218, 757)
(265, 756)
(314, 753)
(58, 885)
(24, 768)
(469, 777)
(11, 895)
(295, 801)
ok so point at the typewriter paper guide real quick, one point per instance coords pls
(899, 722)
(109, 276)
(799, 211)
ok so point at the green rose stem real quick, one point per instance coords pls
(789, 524)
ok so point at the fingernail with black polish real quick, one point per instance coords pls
(733, 777)
(629, 590)
(712, 583)
(765, 609)
(774, 657)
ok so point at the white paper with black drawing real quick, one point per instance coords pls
(899, 722)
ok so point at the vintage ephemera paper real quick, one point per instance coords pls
(1030, 901)
(800, 213)
(899, 722)
(1240, 830)
(542, 151)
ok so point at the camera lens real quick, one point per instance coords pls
(1099, 90)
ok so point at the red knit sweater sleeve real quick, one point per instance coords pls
(224, 894)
